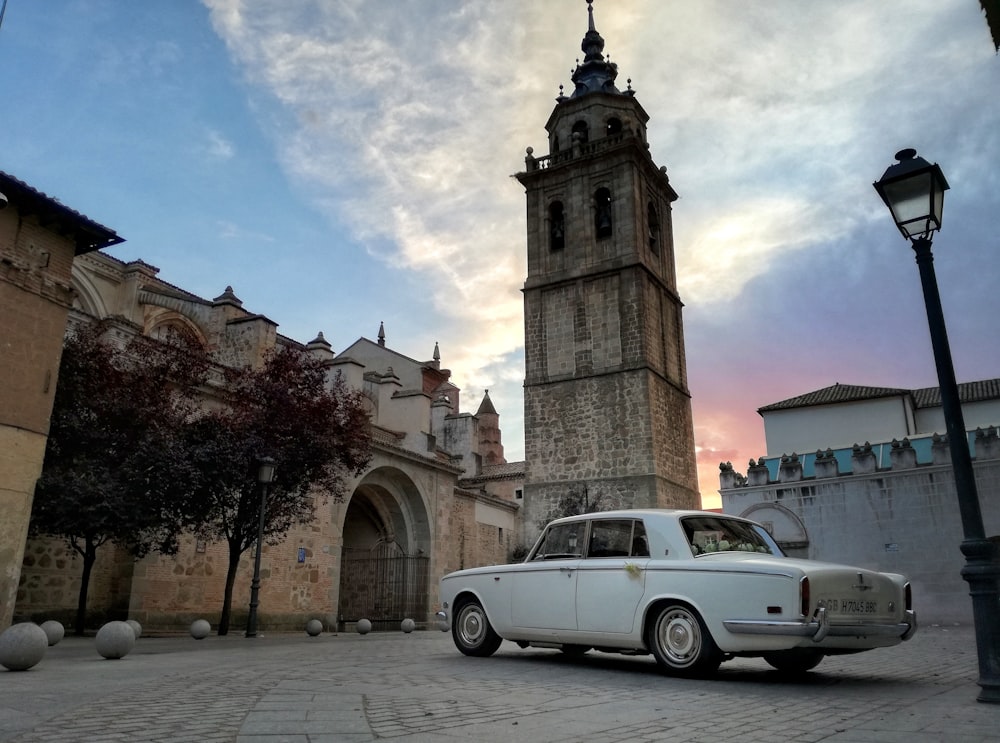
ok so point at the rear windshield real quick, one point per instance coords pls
(710, 534)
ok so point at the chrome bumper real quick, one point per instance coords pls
(820, 627)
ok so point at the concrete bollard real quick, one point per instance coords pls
(22, 646)
(115, 640)
(54, 631)
(200, 629)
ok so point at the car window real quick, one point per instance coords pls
(561, 541)
(709, 534)
(640, 545)
(617, 538)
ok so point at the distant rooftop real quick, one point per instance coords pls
(928, 397)
(87, 234)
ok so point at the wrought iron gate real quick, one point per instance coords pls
(382, 585)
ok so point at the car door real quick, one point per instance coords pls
(543, 595)
(611, 579)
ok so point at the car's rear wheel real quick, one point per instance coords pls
(796, 660)
(681, 643)
(471, 630)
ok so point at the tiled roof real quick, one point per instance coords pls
(928, 397)
(837, 393)
(87, 234)
(985, 389)
(503, 470)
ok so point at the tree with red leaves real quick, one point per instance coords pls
(315, 428)
(116, 465)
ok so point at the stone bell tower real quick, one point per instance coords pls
(606, 404)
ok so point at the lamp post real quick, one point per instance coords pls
(265, 474)
(913, 189)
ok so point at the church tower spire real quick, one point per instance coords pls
(607, 410)
(595, 74)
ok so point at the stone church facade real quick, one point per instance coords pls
(436, 497)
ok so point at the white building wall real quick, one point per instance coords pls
(897, 521)
(836, 426)
(976, 414)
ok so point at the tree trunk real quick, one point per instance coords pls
(89, 557)
(227, 601)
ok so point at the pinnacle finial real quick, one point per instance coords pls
(595, 73)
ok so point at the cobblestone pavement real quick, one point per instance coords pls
(418, 687)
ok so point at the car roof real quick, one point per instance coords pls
(643, 513)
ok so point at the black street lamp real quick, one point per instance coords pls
(913, 189)
(265, 474)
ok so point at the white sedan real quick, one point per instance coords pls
(693, 588)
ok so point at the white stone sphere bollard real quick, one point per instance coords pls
(136, 627)
(364, 626)
(407, 625)
(200, 629)
(314, 627)
(115, 640)
(22, 646)
(54, 631)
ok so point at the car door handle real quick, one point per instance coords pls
(568, 571)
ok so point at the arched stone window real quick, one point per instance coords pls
(555, 143)
(602, 213)
(176, 334)
(557, 226)
(614, 126)
(653, 225)
(176, 329)
(580, 128)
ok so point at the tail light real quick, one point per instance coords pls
(908, 597)
(804, 597)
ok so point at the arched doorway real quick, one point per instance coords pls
(782, 524)
(385, 559)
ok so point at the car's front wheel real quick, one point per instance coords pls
(794, 661)
(681, 643)
(471, 630)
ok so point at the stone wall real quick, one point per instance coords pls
(35, 296)
(904, 519)
(50, 583)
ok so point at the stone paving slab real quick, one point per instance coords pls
(417, 687)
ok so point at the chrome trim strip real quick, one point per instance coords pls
(821, 628)
(771, 627)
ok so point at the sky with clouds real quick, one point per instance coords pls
(342, 163)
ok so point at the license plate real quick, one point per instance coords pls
(850, 606)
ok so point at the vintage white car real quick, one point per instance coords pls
(693, 588)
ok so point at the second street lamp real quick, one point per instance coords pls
(265, 475)
(913, 189)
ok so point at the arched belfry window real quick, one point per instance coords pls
(614, 126)
(653, 225)
(580, 128)
(557, 226)
(555, 144)
(602, 213)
